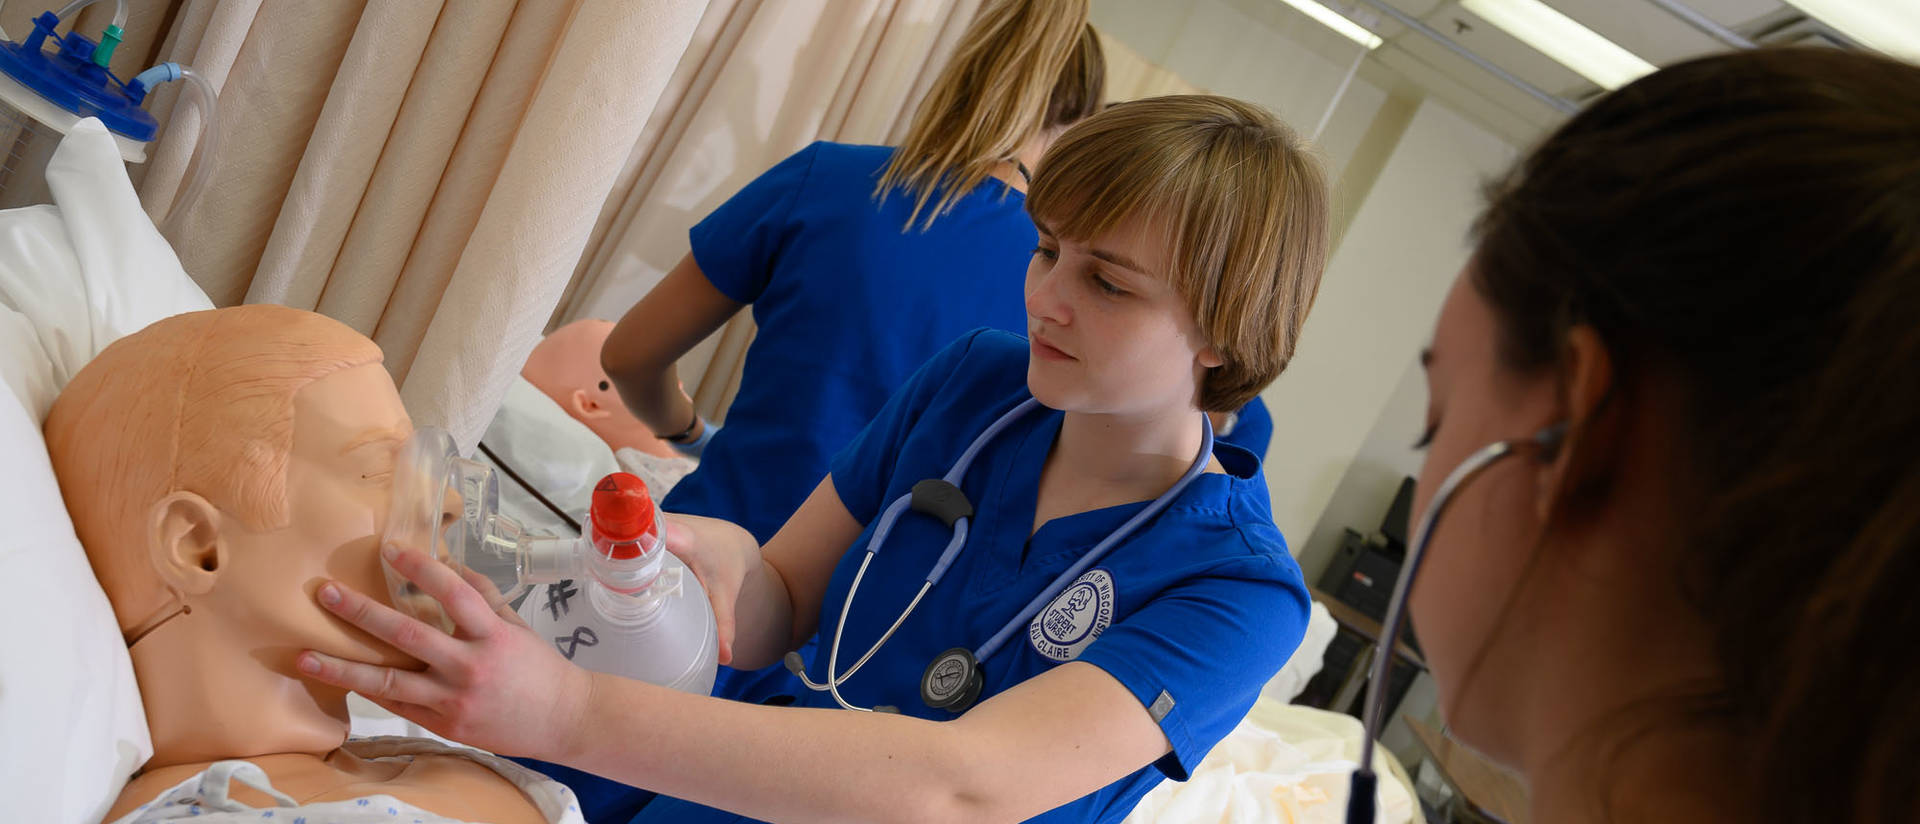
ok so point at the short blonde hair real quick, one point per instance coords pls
(1022, 68)
(1243, 202)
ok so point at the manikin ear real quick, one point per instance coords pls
(1586, 381)
(584, 406)
(185, 543)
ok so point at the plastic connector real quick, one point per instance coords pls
(146, 81)
(109, 40)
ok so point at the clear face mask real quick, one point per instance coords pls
(449, 507)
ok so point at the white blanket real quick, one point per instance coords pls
(1284, 763)
(204, 798)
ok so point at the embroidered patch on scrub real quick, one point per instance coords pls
(1075, 617)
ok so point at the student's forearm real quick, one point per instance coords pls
(777, 763)
(652, 392)
(763, 620)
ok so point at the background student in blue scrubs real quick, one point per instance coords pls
(1181, 243)
(860, 262)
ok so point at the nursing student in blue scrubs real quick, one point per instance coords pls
(859, 263)
(1181, 243)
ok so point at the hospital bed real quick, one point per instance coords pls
(77, 275)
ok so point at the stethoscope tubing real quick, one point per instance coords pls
(954, 475)
(1360, 796)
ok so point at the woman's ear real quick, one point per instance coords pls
(1586, 383)
(185, 543)
(1209, 358)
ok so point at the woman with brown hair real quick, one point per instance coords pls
(1693, 597)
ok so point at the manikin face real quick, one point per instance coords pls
(1108, 334)
(348, 428)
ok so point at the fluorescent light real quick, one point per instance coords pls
(1556, 35)
(1336, 21)
(1891, 26)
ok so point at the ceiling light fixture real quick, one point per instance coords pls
(1557, 36)
(1338, 22)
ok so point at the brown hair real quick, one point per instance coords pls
(1746, 227)
(1023, 68)
(200, 402)
(1244, 204)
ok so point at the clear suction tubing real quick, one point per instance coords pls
(449, 506)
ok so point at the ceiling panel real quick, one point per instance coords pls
(1412, 64)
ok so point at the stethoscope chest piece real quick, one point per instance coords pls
(952, 681)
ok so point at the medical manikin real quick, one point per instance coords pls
(565, 366)
(218, 467)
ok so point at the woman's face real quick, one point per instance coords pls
(1108, 334)
(1482, 543)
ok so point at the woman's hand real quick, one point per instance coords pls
(492, 684)
(721, 555)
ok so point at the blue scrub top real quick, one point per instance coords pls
(848, 302)
(1252, 429)
(1192, 614)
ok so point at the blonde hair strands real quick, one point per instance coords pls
(993, 97)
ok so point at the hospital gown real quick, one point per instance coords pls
(203, 799)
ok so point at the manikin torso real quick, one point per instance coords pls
(218, 680)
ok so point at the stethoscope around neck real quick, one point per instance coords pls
(952, 681)
(1360, 793)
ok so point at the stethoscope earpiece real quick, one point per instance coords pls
(1550, 439)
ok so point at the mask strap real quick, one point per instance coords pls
(145, 628)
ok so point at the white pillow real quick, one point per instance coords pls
(558, 455)
(74, 277)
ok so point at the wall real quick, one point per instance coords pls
(1251, 51)
(1364, 491)
(1382, 289)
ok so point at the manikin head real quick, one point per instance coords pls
(218, 466)
(565, 366)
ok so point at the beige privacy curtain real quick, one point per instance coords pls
(762, 79)
(1131, 76)
(427, 172)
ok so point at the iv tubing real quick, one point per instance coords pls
(199, 168)
(119, 10)
(110, 37)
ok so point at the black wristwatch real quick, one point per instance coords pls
(684, 435)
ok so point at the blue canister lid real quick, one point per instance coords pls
(68, 78)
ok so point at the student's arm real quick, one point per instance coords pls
(1056, 737)
(639, 354)
(1046, 742)
(732, 256)
(766, 600)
